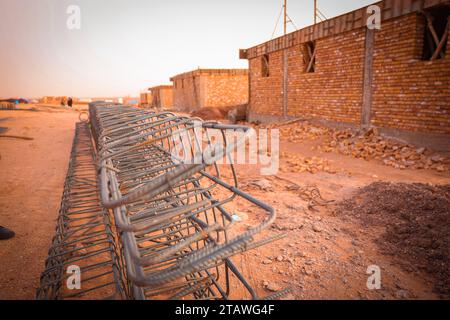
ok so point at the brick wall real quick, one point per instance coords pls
(333, 92)
(226, 90)
(162, 97)
(166, 98)
(210, 88)
(186, 92)
(266, 92)
(408, 93)
(145, 99)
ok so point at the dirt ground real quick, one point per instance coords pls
(325, 255)
(32, 174)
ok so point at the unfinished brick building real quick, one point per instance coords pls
(53, 100)
(145, 99)
(162, 97)
(210, 88)
(342, 72)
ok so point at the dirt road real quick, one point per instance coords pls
(32, 175)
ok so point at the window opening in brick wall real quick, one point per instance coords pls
(436, 33)
(309, 56)
(265, 72)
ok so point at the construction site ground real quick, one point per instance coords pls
(329, 243)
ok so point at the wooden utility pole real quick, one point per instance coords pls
(285, 17)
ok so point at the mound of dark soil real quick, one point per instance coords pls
(417, 221)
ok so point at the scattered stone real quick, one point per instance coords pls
(372, 146)
(307, 271)
(299, 164)
(272, 287)
(267, 261)
(262, 184)
(240, 216)
(295, 207)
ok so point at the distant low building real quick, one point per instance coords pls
(145, 100)
(161, 97)
(53, 100)
(130, 101)
(204, 88)
(84, 100)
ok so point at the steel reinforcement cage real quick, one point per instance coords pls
(170, 186)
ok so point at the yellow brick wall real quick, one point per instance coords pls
(225, 91)
(204, 88)
(409, 93)
(333, 92)
(266, 92)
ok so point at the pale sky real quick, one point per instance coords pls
(124, 46)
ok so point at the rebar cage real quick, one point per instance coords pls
(85, 236)
(170, 186)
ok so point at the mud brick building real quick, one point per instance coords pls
(53, 100)
(145, 99)
(162, 97)
(210, 88)
(341, 72)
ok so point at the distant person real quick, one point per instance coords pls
(70, 102)
(6, 234)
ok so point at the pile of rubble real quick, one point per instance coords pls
(369, 145)
(303, 131)
(372, 145)
(299, 164)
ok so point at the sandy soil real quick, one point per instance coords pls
(323, 256)
(32, 174)
(326, 256)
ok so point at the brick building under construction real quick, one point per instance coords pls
(145, 99)
(162, 97)
(342, 72)
(204, 88)
(159, 97)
